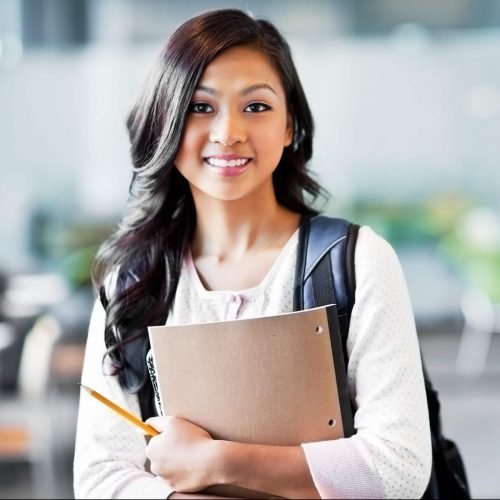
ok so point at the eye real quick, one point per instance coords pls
(257, 107)
(200, 107)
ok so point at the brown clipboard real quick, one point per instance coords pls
(276, 380)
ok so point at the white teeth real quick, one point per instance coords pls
(217, 162)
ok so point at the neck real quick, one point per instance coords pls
(228, 229)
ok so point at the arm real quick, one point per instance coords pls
(280, 470)
(390, 455)
(109, 452)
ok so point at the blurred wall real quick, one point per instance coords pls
(406, 97)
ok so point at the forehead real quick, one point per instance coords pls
(241, 66)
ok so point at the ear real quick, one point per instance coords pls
(290, 125)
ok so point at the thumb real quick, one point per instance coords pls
(158, 423)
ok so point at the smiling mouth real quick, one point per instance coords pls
(235, 162)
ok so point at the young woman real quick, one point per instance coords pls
(220, 137)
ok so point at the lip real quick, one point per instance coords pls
(228, 171)
(227, 157)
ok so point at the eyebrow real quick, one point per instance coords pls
(245, 91)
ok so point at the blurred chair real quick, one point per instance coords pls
(481, 321)
(26, 424)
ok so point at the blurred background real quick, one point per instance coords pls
(406, 97)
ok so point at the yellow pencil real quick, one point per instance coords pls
(151, 431)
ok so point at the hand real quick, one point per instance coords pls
(183, 454)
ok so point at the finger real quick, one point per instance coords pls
(158, 423)
(152, 420)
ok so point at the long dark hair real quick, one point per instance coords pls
(141, 262)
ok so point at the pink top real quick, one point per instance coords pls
(390, 454)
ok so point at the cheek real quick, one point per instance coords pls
(272, 138)
(191, 146)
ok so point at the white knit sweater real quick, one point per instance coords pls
(390, 454)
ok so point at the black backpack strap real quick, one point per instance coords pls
(300, 267)
(352, 238)
(325, 267)
(448, 477)
(325, 276)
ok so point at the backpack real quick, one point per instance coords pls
(325, 275)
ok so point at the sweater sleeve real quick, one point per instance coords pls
(390, 455)
(109, 457)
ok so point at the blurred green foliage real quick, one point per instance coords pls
(79, 245)
(76, 266)
(461, 228)
(475, 247)
(412, 223)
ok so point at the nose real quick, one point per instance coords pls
(227, 129)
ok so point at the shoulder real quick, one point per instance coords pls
(375, 259)
(370, 246)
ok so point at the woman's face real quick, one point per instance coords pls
(236, 129)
